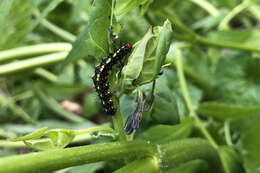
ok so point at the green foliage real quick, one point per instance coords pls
(190, 86)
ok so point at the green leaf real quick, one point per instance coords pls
(194, 166)
(93, 40)
(61, 137)
(251, 149)
(162, 134)
(163, 47)
(35, 135)
(85, 73)
(231, 161)
(5, 6)
(135, 62)
(40, 145)
(17, 22)
(165, 109)
(51, 6)
(124, 6)
(157, 49)
(222, 111)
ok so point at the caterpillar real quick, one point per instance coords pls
(100, 79)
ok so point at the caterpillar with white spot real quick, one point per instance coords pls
(100, 79)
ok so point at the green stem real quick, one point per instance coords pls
(228, 44)
(112, 12)
(34, 50)
(192, 37)
(224, 23)
(32, 63)
(227, 132)
(118, 123)
(58, 31)
(178, 152)
(46, 74)
(207, 6)
(48, 161)
(187, 99)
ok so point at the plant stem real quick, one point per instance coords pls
(228, 44)
(32, 63)
(224, 23)
(187, 99)
(227, 132)
(118, 123)
(48, 161)
(34, 50)
(58, 31)
(112, 12)
(192, 37)
(171, 155)
(207, 6)
(46, 74)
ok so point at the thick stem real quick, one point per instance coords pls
(57, 159)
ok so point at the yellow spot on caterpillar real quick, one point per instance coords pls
(114, 55)
(108, 60)
(98, 87)
(98, 75)
(103, 102)
(97, 78)
(110, 100)
(118, 51)
(101, 94)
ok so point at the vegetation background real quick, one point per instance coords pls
(202, 114)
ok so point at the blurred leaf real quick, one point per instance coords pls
(194, 166)
(165, 107)
(160, 4)
(223, 111)
(231, 161)
(124, 6)
(53, 105)
(5, 6)
(61, 137)
(251, 149)
(67, 76)
(134, 66)
(79, 7)
(239, 84)
(51, 6)
(93, 40)
(35, 135)
(91, 105)
(17, 23)
(162, 134)
(85, 73)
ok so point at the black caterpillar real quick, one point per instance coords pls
(100, 79)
